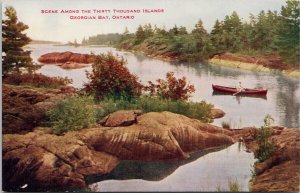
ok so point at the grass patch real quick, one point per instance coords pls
(226, 125)
(232, 186)
(72, 114)
(197, 110)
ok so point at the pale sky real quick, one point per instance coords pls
(59, 27)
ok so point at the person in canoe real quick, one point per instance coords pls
(239, 88)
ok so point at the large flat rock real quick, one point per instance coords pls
(44, 161)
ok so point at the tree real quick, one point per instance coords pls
(287, 35)
(140, 35)
(174, 31)
(182, 30)
(13, 40)
(216, 37)
(84, 41)
(232, 32)
(201, 38)
(126, 31)
(148, 30)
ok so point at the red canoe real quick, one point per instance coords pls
(234, 90)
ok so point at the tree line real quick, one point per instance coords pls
(265, 33)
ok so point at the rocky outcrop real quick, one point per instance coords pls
(121, 118)
(24, 108)
(281, 172)
(44, 161)
(68, 60)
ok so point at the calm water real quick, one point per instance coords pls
(282, 102)
(203, 171)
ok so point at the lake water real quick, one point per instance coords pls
(203, 171)
(282, 101)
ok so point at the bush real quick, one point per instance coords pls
(73, 113)
(226, 125)
(172, 88)
(197, 110)
(110, 77)
(37, 80)
(233, 186)
(265, 147)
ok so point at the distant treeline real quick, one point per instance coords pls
(103, 39)
(268, 32)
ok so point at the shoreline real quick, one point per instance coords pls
(226, 63)
(253, 67)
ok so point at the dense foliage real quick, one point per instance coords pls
(13, 39)
(36, 80)
(110, 77)
(268, 32)
(172, 88)
(197, 110)
(72, 114)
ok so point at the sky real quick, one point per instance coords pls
(59, 27)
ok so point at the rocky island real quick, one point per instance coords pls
(67, 60)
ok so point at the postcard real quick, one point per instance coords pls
(146, 96)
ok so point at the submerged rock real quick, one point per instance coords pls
(45, 161)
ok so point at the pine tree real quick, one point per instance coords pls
(216, 37)
(126, 31)
(287, 37)
(201, 37)
(174, 31)
(182, 30)
(13, 39)
(140, 35)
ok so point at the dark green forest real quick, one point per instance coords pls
(269, 32)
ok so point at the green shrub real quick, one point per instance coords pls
(226, 125)
(197, 110)
(72, 113)
(265, 146)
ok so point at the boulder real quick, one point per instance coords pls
(216, 113)
(44, 161)
(121, 118)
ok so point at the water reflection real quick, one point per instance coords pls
(202, 172)
(146, 170)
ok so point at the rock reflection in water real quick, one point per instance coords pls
(203, 171)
